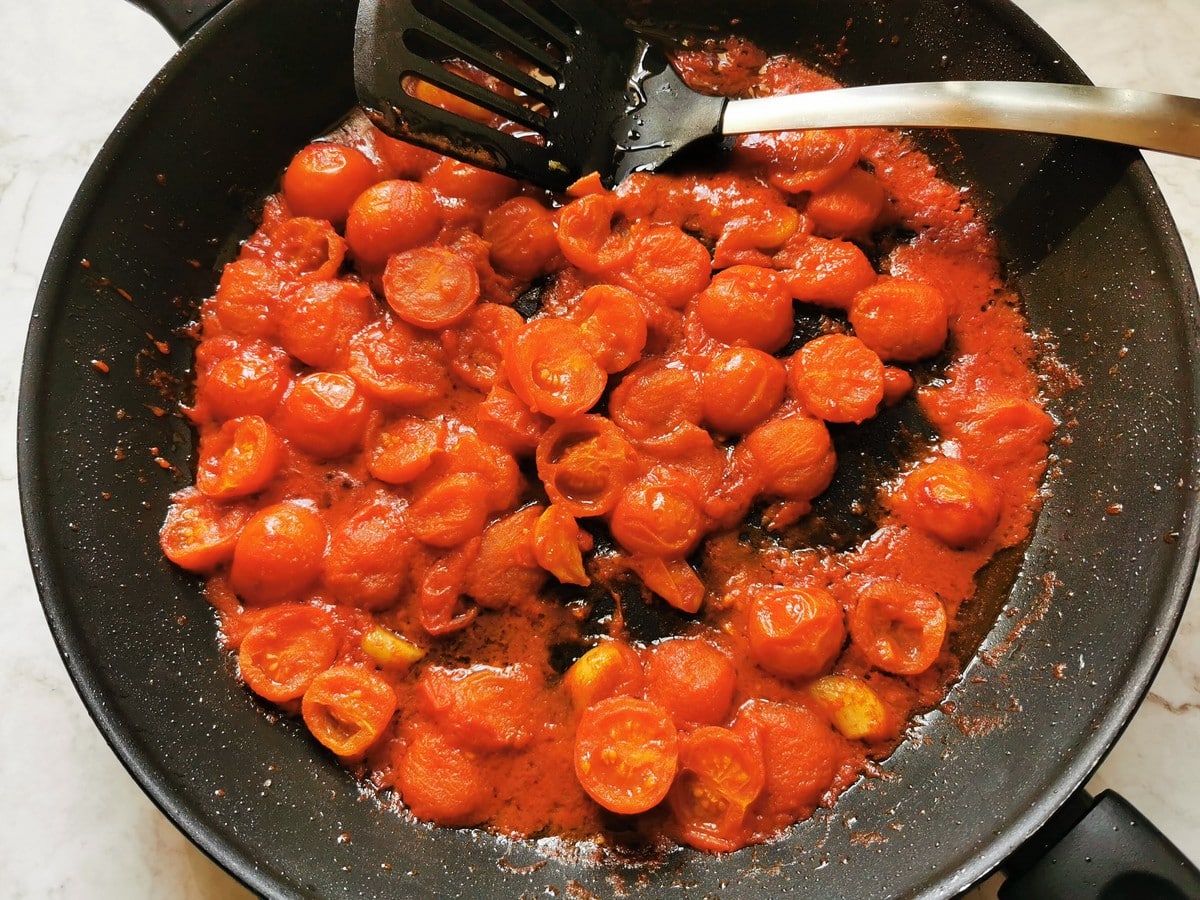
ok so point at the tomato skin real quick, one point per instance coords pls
(838, 378)
(898, 627)
(742, 387)
(240, 459)
(430, 287)
(325, 415)
(279, 553)
(551, 368)
(505, 571)
(951, 501)
(323, 179)
(347, 709)
(483, 707)
(747, 306)
(199, 534)
(389, 217)
(692, 679)
(584, 464)
(720, 775)
(300, 248)
(286, 648)
(800, 751)
(440, 782)
(626, 753)
(795, 632)
(902, 321)
(319, 317)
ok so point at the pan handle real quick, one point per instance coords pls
(1099, 848)
(180, 17)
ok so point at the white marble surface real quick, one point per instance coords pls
(74, 824)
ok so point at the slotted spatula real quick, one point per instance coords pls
(582, 92)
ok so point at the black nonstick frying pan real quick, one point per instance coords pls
(1087, 239)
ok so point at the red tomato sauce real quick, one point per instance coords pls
(460, 439)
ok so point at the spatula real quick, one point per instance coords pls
(581, 92)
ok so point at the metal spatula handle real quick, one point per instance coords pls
(1153, 121)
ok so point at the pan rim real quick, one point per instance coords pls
(215, 842)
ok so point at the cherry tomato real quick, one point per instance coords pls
(323, 179)
(610, 669)
(747, 306)
(199, 534)
(902, 321)
(626, 752)
(240, 459)
(325, 414)
(898, 627)
(319, 318)
(476, 346)
(838, 378)
(440, 782)
(347, 709)
(482, 707)
(720, 775)
(793, 455)
(795, 632)
(279, 553)
(370, 558)
(430, 287)
(742, 387)
(552, 369)
(584, 464)
(951, 501)
(659, 515)
(286, 648)
(249, 381)
(389, 217)
(523, 237)
(691, 679)
(397, 365)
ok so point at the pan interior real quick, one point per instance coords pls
(1088, 242)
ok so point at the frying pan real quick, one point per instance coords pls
(1087, 240)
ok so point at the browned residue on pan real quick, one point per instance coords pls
(1037, 610)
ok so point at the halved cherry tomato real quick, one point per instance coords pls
(370, 558)
(584, 464)
(793, 455)
(439, 600)
(301, 248)
(506, 572)
(668, 265)
(199, 534)
(286, 648)
(483, 707)
(691, 679)
(318, 319)
(523, 237)
(476, 346)
(742, 387)
(747, 306)
(586, 236)
(898, 627)
(795, 632)
(467, 454)
(430, 287)
(323, 179)
(395, 364)
(613, 325)
(405, 450)
(249, 381)
(440, 782)
(449, 510)
(246, 298)
(659, 515)
(389, 217)
(800, 751)
(347, 709)
(951, 501)
(609, 669)
(798, 161)
(626, 753)
(240, 459)
(655, 398)
(720, 775)
(279, 553)
(551, 368)
(902, 321)
(838, 378)
(325, 414)
(828, 272)
(849, 207)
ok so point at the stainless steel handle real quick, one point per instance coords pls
(1162, 122)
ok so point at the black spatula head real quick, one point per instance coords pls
(569, 88)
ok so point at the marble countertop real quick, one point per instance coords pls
(75, 823)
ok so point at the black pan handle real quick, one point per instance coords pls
(1099, 848)
(180, 17)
